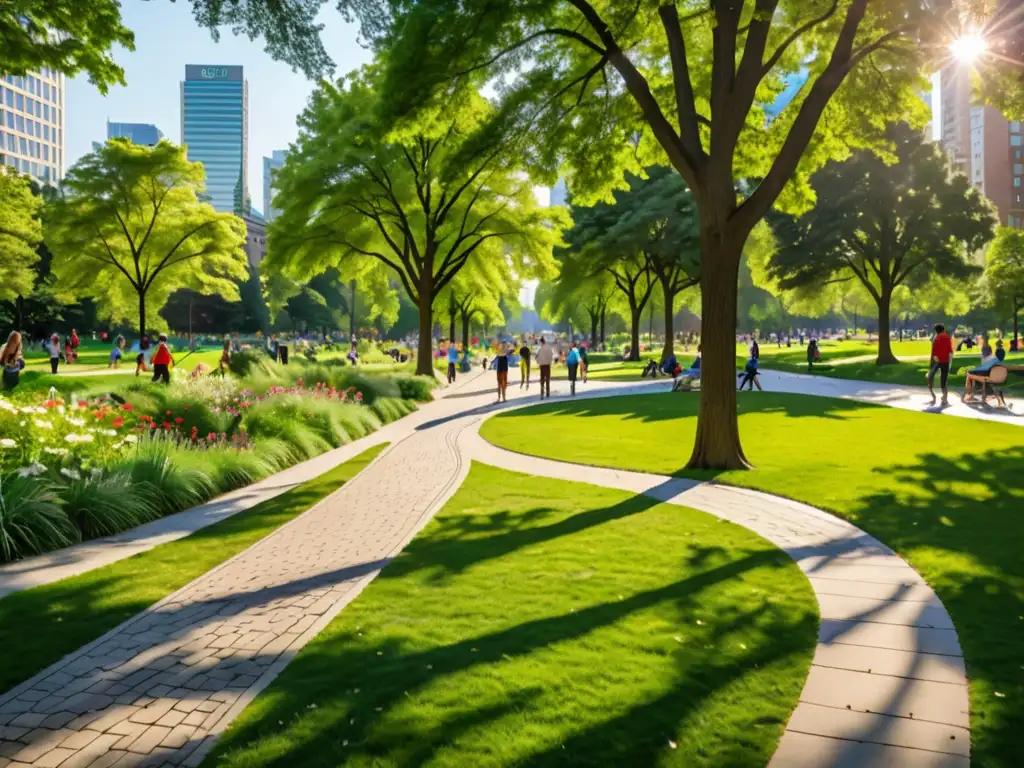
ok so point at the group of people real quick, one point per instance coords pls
(942, 357)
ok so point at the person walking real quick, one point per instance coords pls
(12, 360)
(225, 357)
(545, 356)
(572, 362)
(524, 365)
(162, 360)
(453, 360)
(501, 366)
(584, 363)
(116, 353)
(53, 349)
(942, 355)
(74, 340)
(813, 355)
(142, 359)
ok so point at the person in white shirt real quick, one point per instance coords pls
(544, 357)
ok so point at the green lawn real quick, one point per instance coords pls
(95, 355)
(41, 625)
(946, 493)
(549, 623)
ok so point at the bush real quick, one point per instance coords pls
(390, 409)
(102, 504)
(173, 486)
(248, 360)
(230, 468)
(417, 388)
(31, 520)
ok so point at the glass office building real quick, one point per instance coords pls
(271, 164)
(146, 134)
(215, 131)
(32, 124)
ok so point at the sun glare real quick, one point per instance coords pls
(968, 48)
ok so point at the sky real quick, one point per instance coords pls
(166, 39)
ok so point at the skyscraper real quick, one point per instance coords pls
(32, 124)
(215, 131)
(145, 134)
(270, 164)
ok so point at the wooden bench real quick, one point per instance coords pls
(996, 377)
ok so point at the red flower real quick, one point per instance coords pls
(167, 413)
(165, 425)
(359, 397)
(299, 383)
(83, 403)
(211, 437)
(98, 415)
(178, 420)
(49, 404)
(186, 406)
(118, 422)
(126, 407)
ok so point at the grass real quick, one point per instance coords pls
(548, 623)
(40, 626)
(95, 355)
(946, 493)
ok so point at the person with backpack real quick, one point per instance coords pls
(749, 375)
(572, 362)
(162, 361)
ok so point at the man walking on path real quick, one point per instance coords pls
(453, 359)
(572, 362)
(545, 355)
(162, 361)
(942, 354)
(524, 365)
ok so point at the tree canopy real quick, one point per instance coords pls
(20, 233)
(886, 223)
(420, 196)
(1004, 272)
(609, 85)
(127, 228)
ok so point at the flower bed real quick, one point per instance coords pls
(81, 466)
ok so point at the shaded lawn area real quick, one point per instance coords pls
(549, 623)
(946, 493)
(40, 626)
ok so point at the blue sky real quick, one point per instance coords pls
(166, 39)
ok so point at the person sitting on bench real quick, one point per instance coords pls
(685, 379)
(983, 374)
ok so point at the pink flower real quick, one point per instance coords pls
(359, 397)
(178, 420)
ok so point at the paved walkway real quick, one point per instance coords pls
(159, 688)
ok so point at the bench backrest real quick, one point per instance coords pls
(998, 374)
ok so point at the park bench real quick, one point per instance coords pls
(993, 382)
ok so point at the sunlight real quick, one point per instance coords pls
(968, 48)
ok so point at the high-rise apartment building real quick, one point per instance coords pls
(982, 144)
(271, 164)
(145, 134)
(215, 131)
(32, 124)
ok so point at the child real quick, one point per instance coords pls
(69, 352)
(162, 361)
(140, 359)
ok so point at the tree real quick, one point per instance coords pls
(608, 84)
(20, 234)
(127, 228)
(421, 197)
(885, 225)
(1004, 273)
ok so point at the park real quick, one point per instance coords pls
(711, 458)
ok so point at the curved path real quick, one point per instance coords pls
(887, 687)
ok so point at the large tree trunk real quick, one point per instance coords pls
(717, 445)
(669, 323)
(634, 331)
(425, 353)
(451, 327)
(465, 330)
(19, 313)
(885, 355)
(142, 315)
(352, 313)
(604, 311)
(593, 327)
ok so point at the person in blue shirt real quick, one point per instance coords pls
(453, 359)
(572, 362)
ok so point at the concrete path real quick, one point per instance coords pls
(159, 688)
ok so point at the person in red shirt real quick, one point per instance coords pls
(162, 361)
(942, 355)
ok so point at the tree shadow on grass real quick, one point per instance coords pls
(352, 684)
(960, 522)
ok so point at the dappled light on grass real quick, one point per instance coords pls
(547, 623)
(946, 493)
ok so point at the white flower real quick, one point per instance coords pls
(42, 424)
(109, 432)
(131, 438)
(6, 442)
(4, 405)
(71, 473)
(73, 438)
(33, 469)
(76, 422)
(56, 451)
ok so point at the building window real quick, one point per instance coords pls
(1017, 141)
(1016, 181)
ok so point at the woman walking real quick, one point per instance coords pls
(501, 365)
(12, 360)
(572, 362)
(524, 365)
(116, 353)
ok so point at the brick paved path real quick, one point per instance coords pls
(159, 688)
